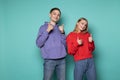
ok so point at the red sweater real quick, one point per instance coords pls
(80, 52)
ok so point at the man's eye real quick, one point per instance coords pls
(82, 23)
(58, 14)
(54, 14)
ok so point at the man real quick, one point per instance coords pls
(52, 42)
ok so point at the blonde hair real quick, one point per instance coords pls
(76, 27)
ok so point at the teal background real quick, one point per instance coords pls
(20, 20)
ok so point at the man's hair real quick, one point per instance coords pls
(55, 9)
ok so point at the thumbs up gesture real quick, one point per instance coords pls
(90, 39)
(61, 28)
(50, 27)
(79, 41)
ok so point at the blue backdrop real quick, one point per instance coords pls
(20, 20)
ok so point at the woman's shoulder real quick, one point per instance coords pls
(87, 33)
(71, 34)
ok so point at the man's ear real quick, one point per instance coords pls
(77, 23)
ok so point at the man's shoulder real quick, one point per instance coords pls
(43, 26)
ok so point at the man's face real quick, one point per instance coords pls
(55, 15)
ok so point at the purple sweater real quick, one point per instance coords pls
(52, 44)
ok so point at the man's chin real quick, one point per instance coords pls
(55, 21)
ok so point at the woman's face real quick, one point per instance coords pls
(82, 25)
(55, 15)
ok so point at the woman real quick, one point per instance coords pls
(80, 44)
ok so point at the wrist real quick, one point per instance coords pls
(63, 32)
(48, 30)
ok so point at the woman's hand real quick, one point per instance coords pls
(79, 41)
(90, 39)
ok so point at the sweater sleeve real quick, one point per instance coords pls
(42, 37)
(63, 39)
(91, 46)
(72, 47)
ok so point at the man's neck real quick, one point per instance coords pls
(52, 23)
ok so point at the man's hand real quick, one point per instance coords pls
(50, 27)
(61, 28)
